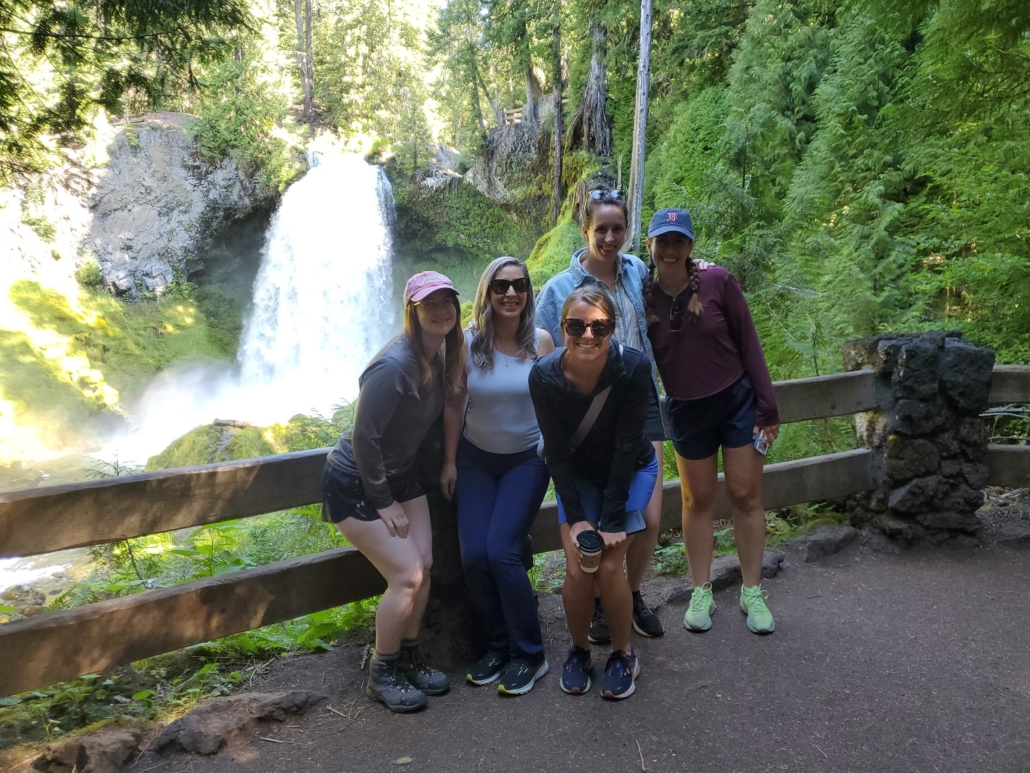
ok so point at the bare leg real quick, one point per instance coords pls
(420, 529)
(616, 597)
(641, 550)
(698, 480)
(577, 593)
(400, 562)
(743, 468)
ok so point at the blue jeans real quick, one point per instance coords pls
(498, 498)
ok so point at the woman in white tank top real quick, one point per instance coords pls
(491, 467)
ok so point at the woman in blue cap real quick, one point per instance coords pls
(719, 395)
(372, 489)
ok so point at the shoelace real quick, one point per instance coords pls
(698, 601)
(398, 680)
(574, 658)
(756, 598)
(621, 665)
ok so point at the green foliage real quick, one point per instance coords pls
(554, 250)
(243, 108)
(457, 217)
(88, 274)
(60, 62)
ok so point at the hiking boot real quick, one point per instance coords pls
(486, 669)
(520, 676)
(576, 674)
(620, 675)
(387, 685)
(428, 680)
(698, 617)
(598, 626)
(752, 603)
(645, 622)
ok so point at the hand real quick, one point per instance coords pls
(448, 476)
(702, 264)
(612, 539)
(396, 520)
(575, 530)
(771, 432)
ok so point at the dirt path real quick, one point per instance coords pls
(917, 661)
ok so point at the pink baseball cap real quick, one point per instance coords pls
(424, 283)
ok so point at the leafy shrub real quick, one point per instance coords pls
(88, 274)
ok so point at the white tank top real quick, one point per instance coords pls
(500, 418)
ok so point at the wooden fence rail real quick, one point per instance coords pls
(55, 647)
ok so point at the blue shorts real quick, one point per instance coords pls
(727, 419)
(591, 496)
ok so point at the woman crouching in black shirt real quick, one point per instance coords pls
(591, 401)
(371, 487)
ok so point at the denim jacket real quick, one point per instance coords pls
(632, 270)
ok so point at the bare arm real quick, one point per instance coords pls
(453, 423)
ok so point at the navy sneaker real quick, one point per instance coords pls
(577, 672)
(486, 669)
(520, 676)
(599, 633)
(620, 675)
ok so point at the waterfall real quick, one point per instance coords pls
(323, 295)
(322, 307)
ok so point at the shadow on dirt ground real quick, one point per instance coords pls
(881, 661)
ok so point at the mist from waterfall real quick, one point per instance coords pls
(322, 307)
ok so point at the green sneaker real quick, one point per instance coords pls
(752, 604)
(698, 617)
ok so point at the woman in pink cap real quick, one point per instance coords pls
(372, 489)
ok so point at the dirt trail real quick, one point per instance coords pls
(918, 661)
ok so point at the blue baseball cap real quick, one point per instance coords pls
(671, 220)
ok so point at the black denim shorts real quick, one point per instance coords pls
(343, 495)
(654, 427)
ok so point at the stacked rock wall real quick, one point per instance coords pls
(931, 389)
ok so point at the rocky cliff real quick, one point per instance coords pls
(142, 213)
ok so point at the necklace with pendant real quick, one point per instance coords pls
(507, 358)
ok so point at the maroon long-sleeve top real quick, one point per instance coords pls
(711, 353)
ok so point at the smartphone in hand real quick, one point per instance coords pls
(761, 443)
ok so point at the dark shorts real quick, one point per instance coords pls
(727, 419)
(343, 496)
(654, 427)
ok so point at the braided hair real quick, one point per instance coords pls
(694, 306)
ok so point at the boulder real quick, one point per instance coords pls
(917, 417)
(213, 725)
(915, 375)
(976, 474)
(103, 751)
(824, 541)
(910, 458)
(951, 521)
(966, 372)
(916, 496)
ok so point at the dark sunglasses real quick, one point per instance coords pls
(577, 328)
(679, 308)
(604, 196)
(500, 286)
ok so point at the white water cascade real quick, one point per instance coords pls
(322, 306)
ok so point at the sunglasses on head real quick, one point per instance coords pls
(605, 196)
(500, 286)
(576, 328)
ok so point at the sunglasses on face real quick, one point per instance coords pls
(500, 286)
(577, 328)
(605, 196)
(433, 305)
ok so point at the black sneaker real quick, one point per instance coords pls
(598, 626)
(520, 676)
(387, 685)
(428, 680)
(486, 669)
(645, 622)
(576, 675)
(620, 675)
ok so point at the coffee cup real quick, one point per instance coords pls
(591, 543)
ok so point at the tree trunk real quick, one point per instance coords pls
(591, 119)
(302, 65)
(309, 70)
(557, 192)
(498, 111)
(529, 112)
(636, 170)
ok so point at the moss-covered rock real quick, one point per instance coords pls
(219, 442)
